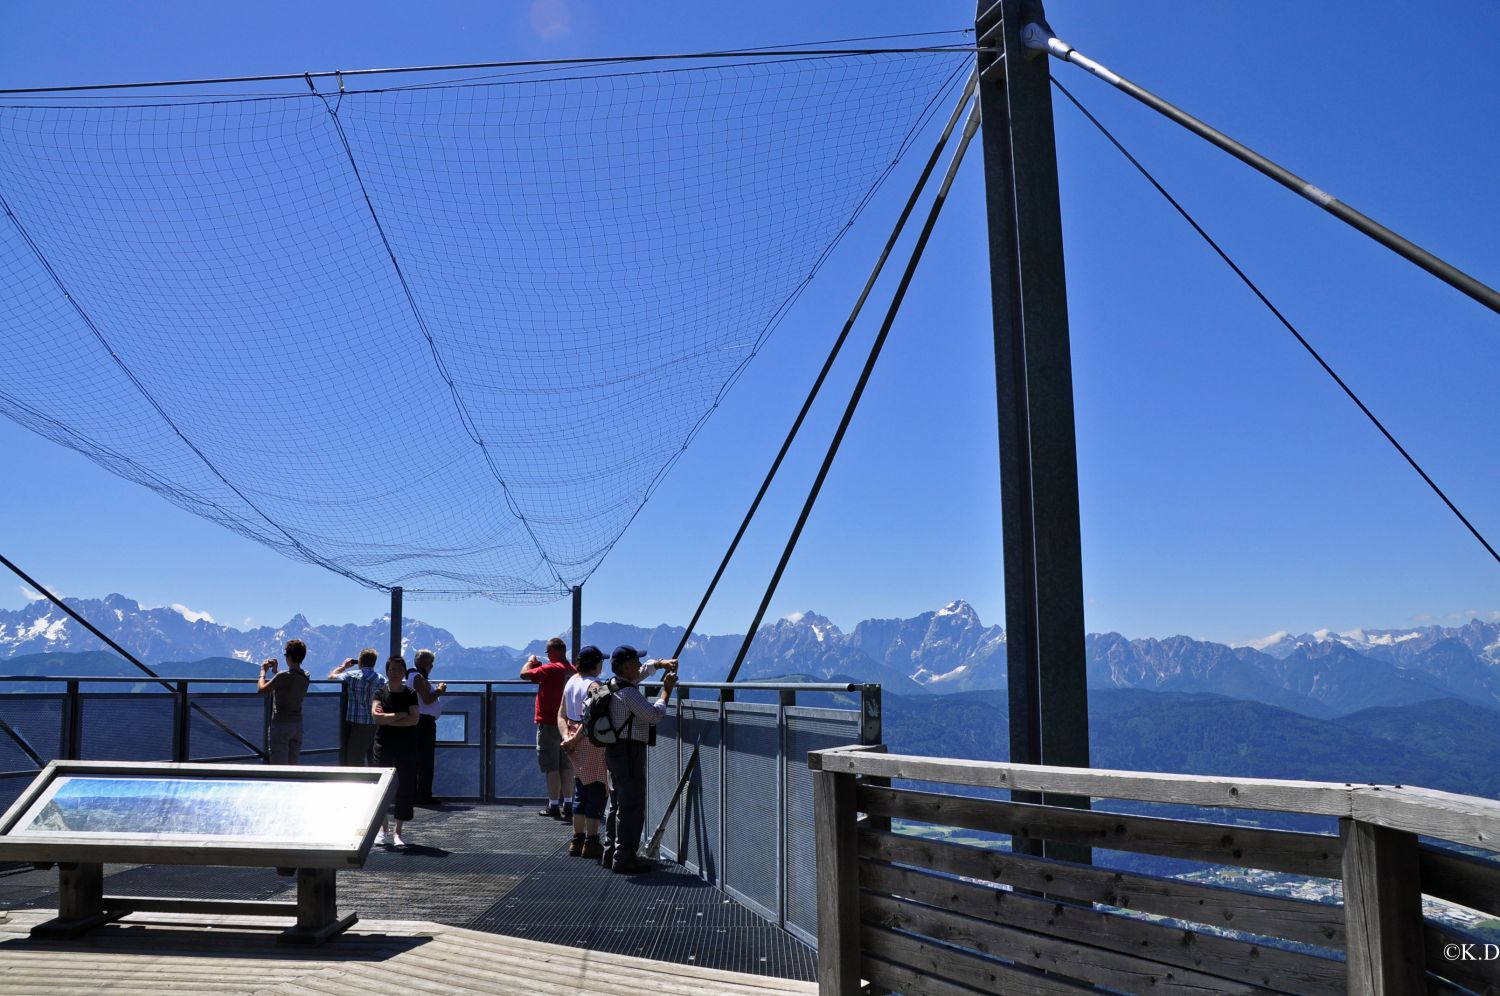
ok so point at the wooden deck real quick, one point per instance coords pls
(158, 954)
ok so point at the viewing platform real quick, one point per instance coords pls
(485, 897)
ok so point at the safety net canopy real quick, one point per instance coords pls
(447, 335)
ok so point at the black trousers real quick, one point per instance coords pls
(426, 755)
(627, 805)
(400, 754)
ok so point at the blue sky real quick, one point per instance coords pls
(1228, 490)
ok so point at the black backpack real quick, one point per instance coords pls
(598, 726)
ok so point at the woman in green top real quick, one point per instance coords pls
(287, 690)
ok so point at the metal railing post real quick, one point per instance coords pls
(180, 724)
(786, 698)
(487, 741)
(870, 733)
(72, 739)
(687, 791)
(722, 861)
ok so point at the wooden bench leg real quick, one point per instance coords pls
(80, 902)
(317, 908)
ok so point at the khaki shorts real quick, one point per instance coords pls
(549, 752)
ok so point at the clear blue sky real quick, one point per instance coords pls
(1228, 490)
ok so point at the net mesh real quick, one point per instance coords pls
(444, 336)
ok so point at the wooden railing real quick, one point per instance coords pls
(903, 912)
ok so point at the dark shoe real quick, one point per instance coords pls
(575, 846)
(551, 811)
(592, 849)
(567, 811)
(607, 858)
(631, 864)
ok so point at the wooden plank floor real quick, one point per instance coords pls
(160, 955)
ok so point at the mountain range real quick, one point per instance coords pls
(1319, 675)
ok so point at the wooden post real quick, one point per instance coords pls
(80, 891)
(837, 855)
(1382, 910)
(395, 622)
(80, 902)
(317, 908)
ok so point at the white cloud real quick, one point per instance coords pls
(1266, 641)
(551, 19)
(189, 614)
(247, 622)
(28, 594)
(794, 617)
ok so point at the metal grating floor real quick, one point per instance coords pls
(502, 870)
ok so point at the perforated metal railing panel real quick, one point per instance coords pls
(242, 713)
(700, 806)
(503, 870)
(752, 801)
(127, 726)
(807, 730)
(663, 768)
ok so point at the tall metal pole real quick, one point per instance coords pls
(1034, 379)
(577, 620)
(395, 622)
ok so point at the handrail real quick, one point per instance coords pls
(1449, 816)
(764, 686)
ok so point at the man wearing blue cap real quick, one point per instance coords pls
(636, 718)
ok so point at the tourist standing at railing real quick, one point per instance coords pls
(550, 676)
(589, 774)
(636, 719)
(395, 711)
(287, 690)
(361, 682)
(429, 708)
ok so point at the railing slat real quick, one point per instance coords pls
(973, 973)
(1085, 962)
(1460, 878)
(1286, 851)
(1299, 920)
(1466, 967)
(887, 976)
(1260, 964)
(1316, 798)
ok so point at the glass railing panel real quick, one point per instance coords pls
(460, 732)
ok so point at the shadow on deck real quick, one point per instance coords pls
(502, 870)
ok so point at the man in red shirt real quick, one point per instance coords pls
(550, 676)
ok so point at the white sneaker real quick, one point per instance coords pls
(380, 837)
(396, 839)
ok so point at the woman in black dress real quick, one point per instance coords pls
(395, 712)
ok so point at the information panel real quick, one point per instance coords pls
(304, 817)
(281, 811)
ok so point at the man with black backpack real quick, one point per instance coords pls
(634, 720)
